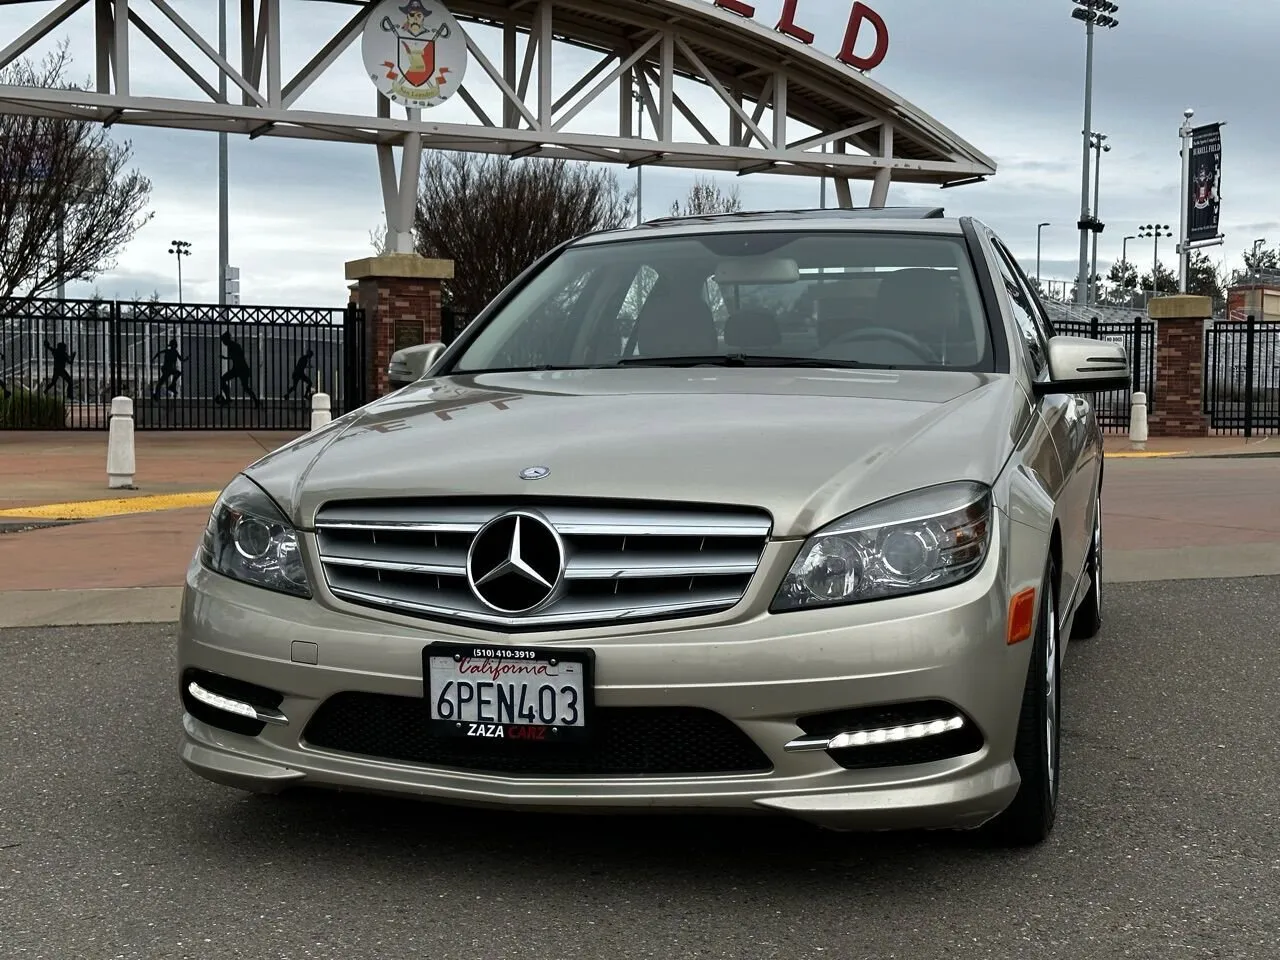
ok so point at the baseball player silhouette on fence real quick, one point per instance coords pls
(170, 372)
(62, 359)
(239, 371)
(300, 375)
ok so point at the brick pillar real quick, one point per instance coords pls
(400, 296)
(1178, 408)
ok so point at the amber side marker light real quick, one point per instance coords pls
(1022, 615)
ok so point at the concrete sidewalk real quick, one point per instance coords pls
(124, 557)
(64, 467)
(1118, 445)
(1178, 510)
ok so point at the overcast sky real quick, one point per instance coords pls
(1007, 75)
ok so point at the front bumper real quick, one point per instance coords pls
(758, 670)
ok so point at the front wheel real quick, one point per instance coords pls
(1029, 819)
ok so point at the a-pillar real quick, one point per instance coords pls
(1178, 408)
(400, 296)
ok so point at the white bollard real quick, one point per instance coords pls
(321, 410)
(120, 458)
(1138, 421)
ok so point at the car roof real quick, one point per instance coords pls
(865, 219)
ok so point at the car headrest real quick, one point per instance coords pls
(917, 300)
(752, 329)
(672, 324)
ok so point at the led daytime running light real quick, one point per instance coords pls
(914, 731)
(219, 702)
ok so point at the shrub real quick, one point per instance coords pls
(22, 409)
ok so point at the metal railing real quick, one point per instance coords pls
(186, 366)
(1242, 377)
(1139, 338)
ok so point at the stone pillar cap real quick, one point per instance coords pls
(1182, 306)
(403, 266)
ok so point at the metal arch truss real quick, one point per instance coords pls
(641, 55)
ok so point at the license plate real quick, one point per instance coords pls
(525, 694)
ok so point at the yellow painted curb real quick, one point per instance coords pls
(1146, 454)
(96, 509)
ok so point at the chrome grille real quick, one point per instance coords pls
(622, 562)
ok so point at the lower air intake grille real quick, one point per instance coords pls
(626, 741)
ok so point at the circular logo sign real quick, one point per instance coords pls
(516, 563)
(535, 473)
(415, 52)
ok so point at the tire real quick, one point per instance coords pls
(1029, 819)
(1088, 620)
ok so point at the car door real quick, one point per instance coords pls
(1067, 419)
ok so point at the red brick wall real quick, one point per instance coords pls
(386, 301)
(1177, 410)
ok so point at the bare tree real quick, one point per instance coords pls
(61, 180)
(494, 217)
(706, 197)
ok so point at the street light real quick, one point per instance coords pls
(1155, 231)
(1124, 256)
(1039, 229)
(1100, 146)
(180, 249)
(1094, 13)
(1257, 269)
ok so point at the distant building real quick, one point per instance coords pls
(1260, 298)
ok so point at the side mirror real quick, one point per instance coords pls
(412, 363)
(1081, 365)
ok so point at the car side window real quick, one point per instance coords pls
(1025, 313)
(1038, 312)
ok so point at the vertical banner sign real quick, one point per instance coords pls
(1204, 197)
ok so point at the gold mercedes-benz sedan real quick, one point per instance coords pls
(786, 513)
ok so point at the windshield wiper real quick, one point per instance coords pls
(749, 360)
(533, 368)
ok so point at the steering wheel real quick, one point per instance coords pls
(896, 336)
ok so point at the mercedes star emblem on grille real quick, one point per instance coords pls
(535, 473)
(516, 563)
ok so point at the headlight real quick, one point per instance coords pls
(919, 541)
(247, 538)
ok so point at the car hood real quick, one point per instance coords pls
(806, 445)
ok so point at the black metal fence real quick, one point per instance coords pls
(452, 323)
(1139, 338)
(1242, 376)
(186, 366)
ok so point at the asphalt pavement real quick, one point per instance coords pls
(1168, 843)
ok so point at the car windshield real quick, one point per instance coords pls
(770, 298)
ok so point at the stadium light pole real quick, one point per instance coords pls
(1100, 146)
(180, 249)
(1093, 13)
(1155, 231)
(1039, 230)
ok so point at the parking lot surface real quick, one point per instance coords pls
(1167, 846)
